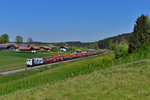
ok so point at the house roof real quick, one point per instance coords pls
(34, 47)
(14, 44)
(42, 49)
(46, 47)
(63, 47)
(24, 48)
(78, 50)
(19, 45)
(4, 45)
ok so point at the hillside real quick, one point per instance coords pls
(128, 82)
(111, 41)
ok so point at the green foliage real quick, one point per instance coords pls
(71, 49)
(125, 82)
(51, 76)
(73, 44)
(95, 45)
(91, 46)
(30, 40)
(121, 50)
(141, 33)
(23, 74)
(112, 41)
(72, 70)
(55, 49)
(18, 59)
(4, 38)
(112, 46)
(19, 39)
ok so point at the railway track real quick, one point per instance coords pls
(11, 71)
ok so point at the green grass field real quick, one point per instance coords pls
(96, 78)
(125, 82)
(51, 76)
(10, 60)
(23, 74)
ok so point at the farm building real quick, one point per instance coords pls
(7, 47)
(34, 48)
(45, 48)
(24, 49)
(77, 51)
(63, 49)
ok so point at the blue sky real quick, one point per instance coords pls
(69, 20)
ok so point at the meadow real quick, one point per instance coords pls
(124, 82)
(71, 70)
(76, 69)
(10, 60)
(27, 73)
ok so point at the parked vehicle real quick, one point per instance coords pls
(47, 60)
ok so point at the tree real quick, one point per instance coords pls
(95, 45)
(30, 40)
(54, 49)
(141, 33)
(0, 40)
(4, 38)
(91, 46)
(71, 49)
(19, 39)
(121, 50)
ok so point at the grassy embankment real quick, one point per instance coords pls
(9, 60)
(23, 74)
(126, 82)
(51, 76)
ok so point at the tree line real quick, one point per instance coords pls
(111, 42)
(4, 38)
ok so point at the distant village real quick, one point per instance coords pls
(20, 46)
(33, 48)
(28, 47)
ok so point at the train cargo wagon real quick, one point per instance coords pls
(81, 55)
(84, 54)
(66, 57)
(47, 60)
(58, 58)
(74, 56)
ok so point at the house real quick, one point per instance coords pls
(45, 48)
(7, 47)
(41, 49)
(34, 48)
(63, 49)
(77, 51)
(25, 49)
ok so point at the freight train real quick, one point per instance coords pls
(47, 60)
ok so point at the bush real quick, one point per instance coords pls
(121, 50)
